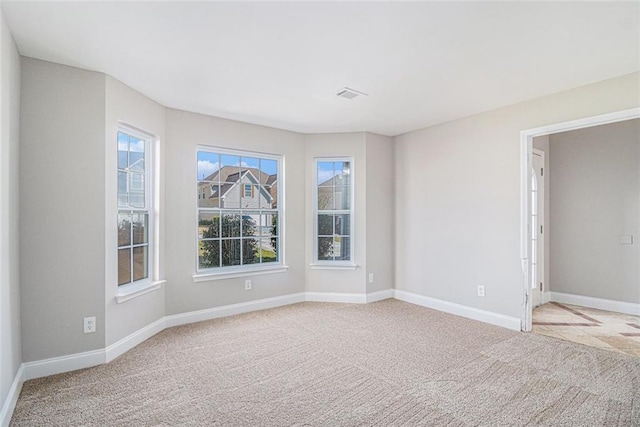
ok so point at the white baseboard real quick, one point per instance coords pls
(230, 310)
(127, 343)
(546, 297)
(58, 365)
(379, 295)
(599, 303)
(459, 310)
(12, 398)
(336, 297)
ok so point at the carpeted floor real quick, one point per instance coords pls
(317, 364)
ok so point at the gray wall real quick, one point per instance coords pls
(185, 131)
(10, 338)
(458, 196)
(380, 211)
(595, 198)
(126, 106)
(62, 209)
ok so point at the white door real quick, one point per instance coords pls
(537, 228)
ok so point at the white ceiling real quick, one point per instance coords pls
(281, 64)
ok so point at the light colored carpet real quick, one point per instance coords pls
(318, 364)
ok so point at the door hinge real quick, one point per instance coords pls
(540, 286)
(541, 171)
(541, 229)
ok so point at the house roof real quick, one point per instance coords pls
(231, 174)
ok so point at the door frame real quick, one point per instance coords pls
(526, 163)
(541, 223)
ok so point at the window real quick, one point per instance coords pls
(134, 206)
(239, 211)
(333, 207)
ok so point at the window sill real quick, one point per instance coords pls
(135, 291)
(333, 266)
(207, 277)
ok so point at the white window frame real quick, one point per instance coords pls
(218, 273)
(334, 264)
(133, 289)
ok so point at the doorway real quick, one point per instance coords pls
(529, 239)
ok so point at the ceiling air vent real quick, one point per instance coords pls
(349, 93)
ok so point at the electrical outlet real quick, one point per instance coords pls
(247, 285)
(480, 290)
(370, 277)
(89, 325)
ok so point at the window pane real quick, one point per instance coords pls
(343, 224)
(325, 198)
(208, 195)
(208, 166)
(136, 154)
(230, 225)
(231, 164)
(325, 174)
(269, 197)
(136, 190)
(140, 228)
(140, 267)
(124, 229)
(325, 225)
(342, 172)
(124, 266)
(123, 196)
(123, 151)
(208, 253)
(342, 198)
(269, 225)
(251, 196)
(230, 252)
(250, 223)
(250, 251)
(252, 165)
(268, 171)
(268, 249)
(342, 248)
(208, 225)
(325, 248)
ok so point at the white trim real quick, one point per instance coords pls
(497, 319)
(336, 297)
(332, 266)
(599, 303)
(132, 291)
(127, 343)
(58, 365)
(546, 297)
(207, 277)
(526, 146)
(12, 398)
(232, 309)
(379, 295)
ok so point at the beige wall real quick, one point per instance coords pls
(594, 199)
(125, 105)
(380, 212)
(338, 145)
(10, 338)
(458, 196)
(62, 209)
(185, 131)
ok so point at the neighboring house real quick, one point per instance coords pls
(333, 189)
(234, 187)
